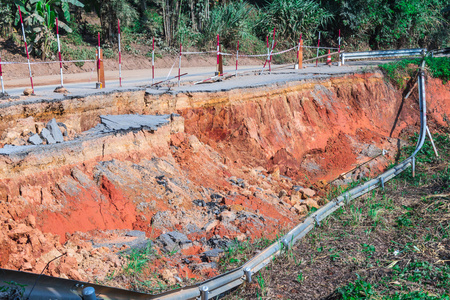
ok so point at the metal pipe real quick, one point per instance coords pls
(248, 275)
(204, 292)
(89, 293)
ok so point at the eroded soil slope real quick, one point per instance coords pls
(237, 164)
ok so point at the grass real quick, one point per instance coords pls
(138, 259)
(400, 71)
(391, 244)
(239, 252)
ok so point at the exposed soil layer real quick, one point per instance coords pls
(236, 164)
(391, 244)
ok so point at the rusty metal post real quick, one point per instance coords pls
(220, 61)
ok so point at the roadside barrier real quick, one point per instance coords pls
(382, 54)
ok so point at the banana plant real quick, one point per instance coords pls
(40, 21)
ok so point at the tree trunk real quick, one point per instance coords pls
(193, 21)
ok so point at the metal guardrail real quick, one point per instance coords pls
(62, 288)
(445, 51)
(382, 54)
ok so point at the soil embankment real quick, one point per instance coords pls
(236, 164)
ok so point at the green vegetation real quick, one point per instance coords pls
(39, 17)
(138, 259)
(365, 24)
(240, 252)
(388, 244)
(12, 290)
(400, 71)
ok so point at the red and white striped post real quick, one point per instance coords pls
(318, 45)
(1, 75)
(153, 61)
(273, 46)
(339, 51)
(218, 55)
(120, 55)
(26, 49)
(268, 55)
(237, 58)
(59, 53)
(179, 65)
(98, 56)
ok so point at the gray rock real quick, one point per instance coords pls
(35, 139)
(179, 238)
(212, 253)
(216, 197)
(203, 266)
(52, 126)
(297, 188)
(168, 243)
(192, 228)
(136, 233)
(46, 135)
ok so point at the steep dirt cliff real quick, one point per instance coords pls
(235, 164)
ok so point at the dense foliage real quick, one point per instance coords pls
(365, 24)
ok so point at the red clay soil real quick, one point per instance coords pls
(270, 138)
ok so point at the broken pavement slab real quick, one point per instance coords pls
(109, 124)
(127, 122)
(47, 136)
(35, 139)
(56, 133)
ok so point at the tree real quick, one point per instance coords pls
(109, 12)
(39, 19)
(292, 17)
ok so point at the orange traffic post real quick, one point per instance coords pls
(100, 67)
(300, 55)
(329, 58)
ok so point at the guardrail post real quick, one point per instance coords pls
(248, 275)
(343, 58)
(204, 292)
(414, 166)
(382, 182)
(89, 293)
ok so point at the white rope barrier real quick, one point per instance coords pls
(260, 55)
(205, 52)
(315, 47)
(46, 62)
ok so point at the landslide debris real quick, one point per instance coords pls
(159, 197)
